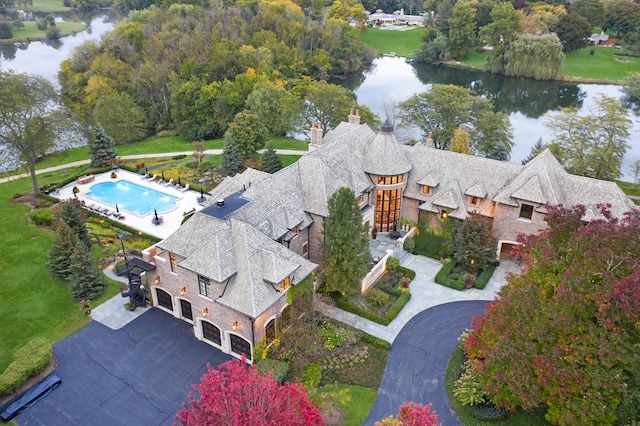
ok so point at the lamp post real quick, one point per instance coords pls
(124, 253)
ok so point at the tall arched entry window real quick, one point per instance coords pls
(388, 209)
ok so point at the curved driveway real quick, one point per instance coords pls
(418, 361)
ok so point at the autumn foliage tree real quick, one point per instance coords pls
(412, 414)
(237, 395)
(565, 333)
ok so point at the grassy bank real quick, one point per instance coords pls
(604, 66)
(48, 6)
(30, 32)
(402, 43)
(31, 301)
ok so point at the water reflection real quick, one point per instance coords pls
(394, 79)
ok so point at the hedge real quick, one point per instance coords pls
(29, 361)
(375, 341)
(481, 282)
(409, 273)
(277, 369)
(345, 306)
(42, 217)
(442, 277)
(397, 306)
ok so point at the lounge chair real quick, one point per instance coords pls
(146, 176)
(185, 189)
(154, 178)
(170, 183)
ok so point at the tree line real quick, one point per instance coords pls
(524, 40)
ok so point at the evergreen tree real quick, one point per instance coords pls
(60, 254)
(474, 247)
(231, 159)
(87, 281)
(346, 254)
(70, 213)
(102, 149)
(460, 142)
(536, 149)
(270, 162)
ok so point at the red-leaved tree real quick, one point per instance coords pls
(237, 395)
(412, 414)
(565, 333)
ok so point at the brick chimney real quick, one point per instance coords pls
(354, 118)
(429, 143)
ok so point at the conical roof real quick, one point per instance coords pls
(384, 156)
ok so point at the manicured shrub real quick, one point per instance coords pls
(42, 217)
(409, 245)
(409, 273)
(393, 263)
(430, 244)
(30, 360)
(346, 306)
(487, 412)
(377, 297)
(179, 157)
(277, 369)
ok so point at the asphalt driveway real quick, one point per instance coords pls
(418, 361)
(138, 375)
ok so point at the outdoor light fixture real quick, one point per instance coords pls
(183, 291)
(235, 326)
(158, 280)
(205, 313)
(445, 215)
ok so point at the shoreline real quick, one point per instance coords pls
(565, 79)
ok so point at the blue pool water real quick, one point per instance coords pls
(132, 197)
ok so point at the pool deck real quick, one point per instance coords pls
(170, 220)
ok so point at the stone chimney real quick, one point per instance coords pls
(354, 118)
(429, 143)
(316, 135)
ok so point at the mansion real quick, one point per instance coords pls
(227, 269)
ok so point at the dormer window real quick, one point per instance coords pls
(285, 283)
(426, 190)
(526, 211)
(474, 201)
(361, 198)
(294, 229)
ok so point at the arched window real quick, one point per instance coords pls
(270, 331)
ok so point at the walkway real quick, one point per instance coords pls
(135, 157)
(425, 294)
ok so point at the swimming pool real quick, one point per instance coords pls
(132, 197)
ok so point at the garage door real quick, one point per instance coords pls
(164, 299)
(185, 308)
(240, 346)
(211, 333)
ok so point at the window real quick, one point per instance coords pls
(526, 211)
(426, 189)
(172, 261)
(388, 209)
(285, 283)
(361, 198)
(474, 201)
(270, 331)
(390, 180)
(285, 316)
(305, 248)
(294, 229)
(204, 284)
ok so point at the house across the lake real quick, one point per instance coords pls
(228, 269)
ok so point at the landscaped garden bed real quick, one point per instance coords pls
(456, 278)
(384, 301)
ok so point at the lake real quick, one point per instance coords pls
(44, 57)
(394, 79)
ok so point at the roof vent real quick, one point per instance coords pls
(220, 202)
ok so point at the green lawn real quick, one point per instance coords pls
(602, 66)
(48, 5)
(30, 31)
(32, 303)
(159, 144)
(402, 43)
(358, 408)
(518, 418)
